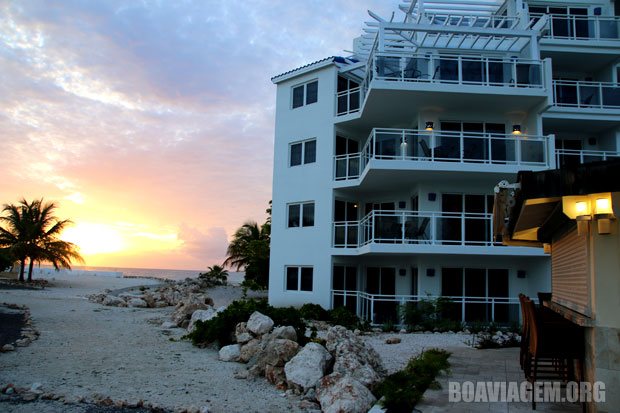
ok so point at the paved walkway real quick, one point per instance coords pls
(496, 365)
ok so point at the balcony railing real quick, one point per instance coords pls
(573, 157)
(599, 95)
(581, 27)
(379, 308)
(458, 69)
(440, 146)
(348, 101)
(413, 227)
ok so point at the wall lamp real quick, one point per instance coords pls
(516, 129)
(585, 208)
(429, 126)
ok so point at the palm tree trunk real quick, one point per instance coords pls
(22, 267)
(30, 270)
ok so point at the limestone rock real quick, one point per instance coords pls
(286, 332)
(249, 350)
(113, 301)
(202, 315)
(229, 353)
(259, 324)
(343, 394)
(137, 302)
(242, 335)
(8, 347)
(353, 357)
(308, 366)
(185, 308)
(392, 340)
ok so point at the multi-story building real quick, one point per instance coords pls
(385, 161)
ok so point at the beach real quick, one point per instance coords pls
(87, 349)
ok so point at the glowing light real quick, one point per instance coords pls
(602, 206)
(94, 238)
(582, 208)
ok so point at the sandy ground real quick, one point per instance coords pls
(86, 348)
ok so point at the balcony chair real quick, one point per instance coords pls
(426, 149)
(552, 348)
(416, 232)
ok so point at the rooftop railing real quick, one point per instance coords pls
(567, 27)
(599, 95)
(415, 227)
(444, 146)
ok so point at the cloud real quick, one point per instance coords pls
(155, 112)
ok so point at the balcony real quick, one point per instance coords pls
(568, 157)
(586, 95)
(438, 150)
(414, 227)
(585, 28)
(398, 85)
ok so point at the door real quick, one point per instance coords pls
(382, 281)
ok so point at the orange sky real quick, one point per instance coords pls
(151, 123)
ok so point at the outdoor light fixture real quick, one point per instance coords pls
(429, 126)
(516, 129)
(547, 248)
(584, 208)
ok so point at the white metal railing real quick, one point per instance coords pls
(459, 69)
(560, 26)
(440, 146)
(416, 227)
(566, 156)
(600, 95)
(377, 308)
(477, 21)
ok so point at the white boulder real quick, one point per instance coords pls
(230, 353)
(137, 302)
(202, 315)
(259, 324)
(113, 301)
(308, 366)
(343, 394)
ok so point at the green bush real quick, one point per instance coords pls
(402, 390)
(221, 328)
(342, 316)
(430, 315)
(314, 312)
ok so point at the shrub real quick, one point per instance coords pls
(402, 390)
(252, 285)
(221, 328)
(342, 316)
(314, 312)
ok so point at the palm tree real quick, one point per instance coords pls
(215, 275)
(14, 237)
(33, 232)
(249, 249)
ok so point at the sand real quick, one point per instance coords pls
(86, 348)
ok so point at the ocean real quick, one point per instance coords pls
(234, 277)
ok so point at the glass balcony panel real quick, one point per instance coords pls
(388, 67)
(386, 145)
(339, 235)
(502, 150)
(499, 72)
(528, 74)
(448, 70)
(532, 151)
(589, 96)
(474, 148)
(450, 230)
(566, 94)
(354, 167)
(449, 147)
(354, 100)
(416, 68)
(341, 168)
(608, 29)
(387, 228)
(473, 71)
(409, 146)
(342, 104)
(352, 233)
(611, 96)
(476, 230)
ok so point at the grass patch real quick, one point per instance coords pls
(401, 391)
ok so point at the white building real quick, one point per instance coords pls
(385, 161)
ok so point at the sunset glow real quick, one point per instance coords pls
(150, 124)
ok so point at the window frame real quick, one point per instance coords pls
(303, 155)
(305, 96)
(302, 208)
(299, 281)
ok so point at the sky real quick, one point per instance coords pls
(150, 123)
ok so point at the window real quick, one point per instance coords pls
(302, 152)
(299, 278)
(305, 94)
(301, 215)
